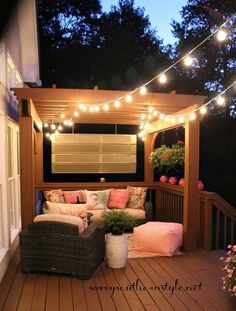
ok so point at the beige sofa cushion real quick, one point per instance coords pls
(138, 214)
(73, 220)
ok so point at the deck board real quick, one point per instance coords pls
(136, 287)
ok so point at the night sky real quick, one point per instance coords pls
(161, 12)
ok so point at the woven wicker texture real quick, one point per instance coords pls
(58, 247)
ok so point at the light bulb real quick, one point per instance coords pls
(96, 108)
(56, 132)
(76, 113)
(192, 116)
(91, 109)
(150, 109)
(53, 126)
(155, 113)
(188, 61)
(162, 78)
(220, 100)
(141, 126)
(172, 120)
(143, 90)
(221, 35)
(167, 119)
(203, 110)
(45, 125)
(65, 122)
(128, 98)
(147, 126)
(81, 106)
(70, 122)
(181, 119)
(149, 117)
(143, 138)
(140, 134)
(142, 116)
(47, 135)
(162, 116)
(117, 104)
(60, 128)
(62, 115)
(106, 107)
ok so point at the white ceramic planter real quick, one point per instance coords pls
(116, 250)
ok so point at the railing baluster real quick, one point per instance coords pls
(225, 231)
(217, 227)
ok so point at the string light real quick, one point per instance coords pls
(221, 35)
(203, 110)
(47, 135)
(129, 98)
(53, 126)
(143, 90)
(220, 100)
(155, 113)
(117, 104)
(192, 116)
(96, 108)
(76, 113)
(70, 122)
(172, 120)
(106, 107)
(60, 128)
(142, 116)
(188, 61)
(163, 78)
(65, 122)
(62, 115)
(45, 125)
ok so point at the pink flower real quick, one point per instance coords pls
(221, 258)
(230, 275)
(229, 246)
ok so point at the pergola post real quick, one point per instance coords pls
(191, 174)
(27, 174)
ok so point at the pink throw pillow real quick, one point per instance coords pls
(118, 199)
(74, 197)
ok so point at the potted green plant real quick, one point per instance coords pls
(115, 222)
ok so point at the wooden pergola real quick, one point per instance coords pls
(38, 105)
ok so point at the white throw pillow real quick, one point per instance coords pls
(64, 208)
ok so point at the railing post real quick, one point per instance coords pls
(207, 224)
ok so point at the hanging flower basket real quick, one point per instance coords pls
(167, 158)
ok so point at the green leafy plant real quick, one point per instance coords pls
(229, 280)
(168, 157)
(117, 221)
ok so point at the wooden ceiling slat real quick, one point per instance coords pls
(49, 103)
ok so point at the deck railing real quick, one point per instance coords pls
(216, 217)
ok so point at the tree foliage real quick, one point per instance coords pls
(216, 62)
(82, 47)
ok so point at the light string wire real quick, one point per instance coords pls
(167, 69)
(174, 64)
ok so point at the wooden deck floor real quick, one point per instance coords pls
(145, 276)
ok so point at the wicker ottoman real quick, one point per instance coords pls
(161, 238)
(58, 247)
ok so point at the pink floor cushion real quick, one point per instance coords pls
(162, 238)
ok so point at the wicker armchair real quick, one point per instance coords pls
(58, 247)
